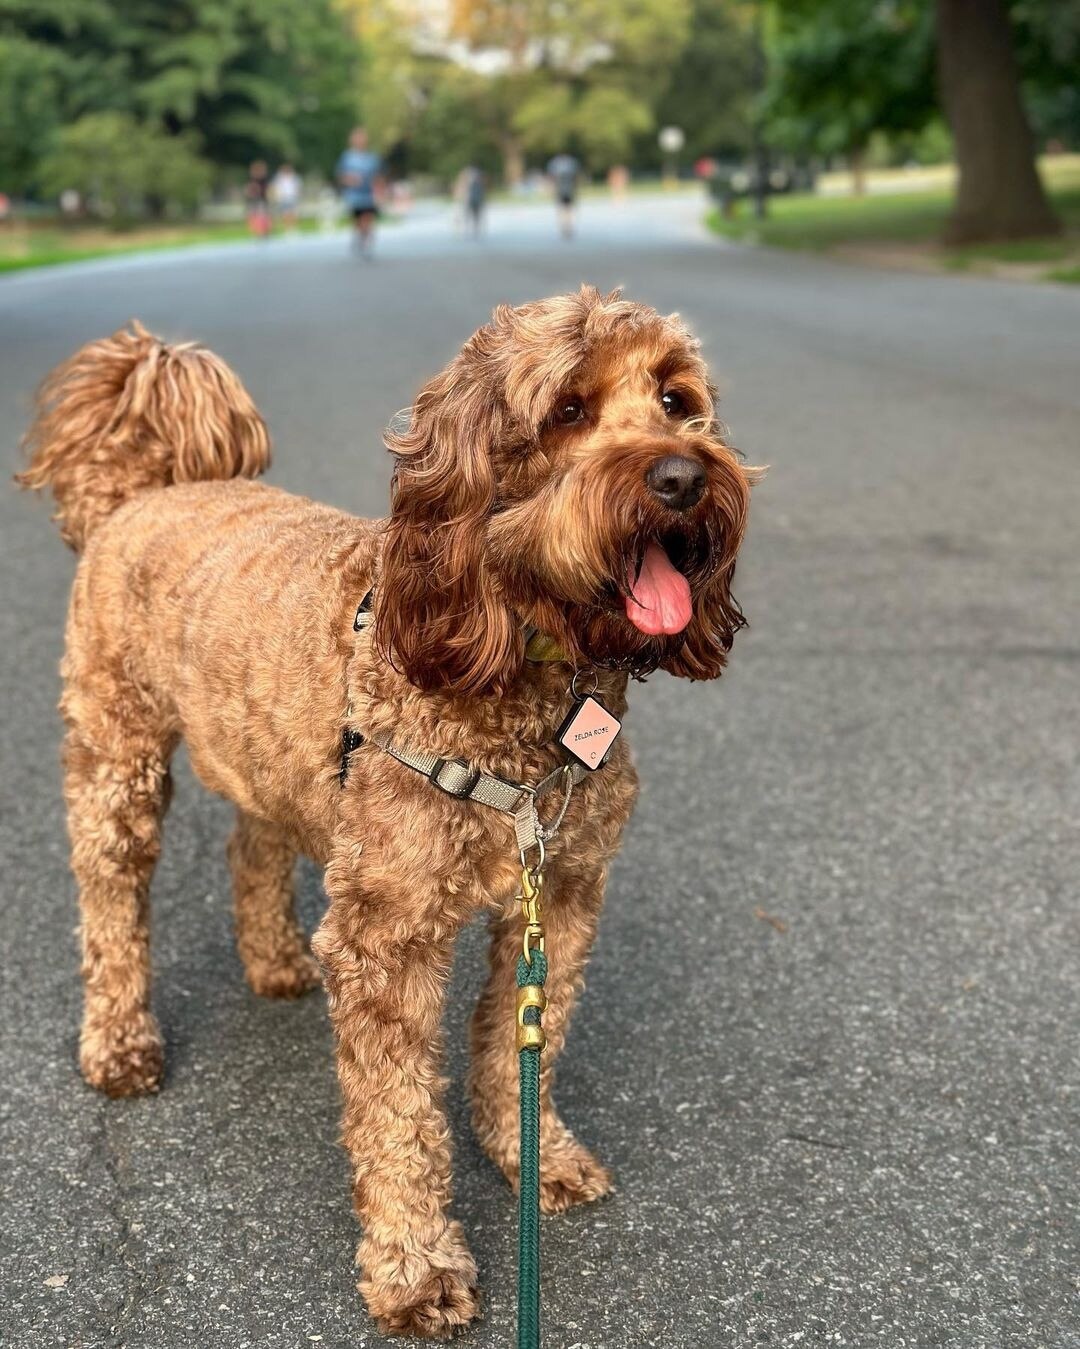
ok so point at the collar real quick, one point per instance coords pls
(540, 648)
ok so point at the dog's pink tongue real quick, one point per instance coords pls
(661, 601)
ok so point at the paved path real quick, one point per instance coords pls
(856, 1124)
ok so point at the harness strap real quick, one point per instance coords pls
(460, 780)
(465, 783)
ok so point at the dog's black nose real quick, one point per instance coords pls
(678, 482)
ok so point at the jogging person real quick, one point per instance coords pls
(359, 174)
(564, 172)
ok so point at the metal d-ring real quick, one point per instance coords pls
(533, 869)
(575, 691)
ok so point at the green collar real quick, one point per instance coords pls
(540, 648)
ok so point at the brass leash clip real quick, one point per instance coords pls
(530, 1035)
(532, 883)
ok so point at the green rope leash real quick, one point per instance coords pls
(530, 1041)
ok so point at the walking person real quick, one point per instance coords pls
(474, 195)
(359, 174)
(564, 173)
(286, 189)
(257, 196)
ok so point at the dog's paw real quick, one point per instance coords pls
(446, 1304)
(122, 1058)
(571, 1175)
(429, 1294)
(290, 978)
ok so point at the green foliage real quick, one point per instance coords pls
(839, 70)
(119, 166)
(583, 77)
(31, 83)
(608, 120)
(933, 144)
(546, 121)
(711, 87)
(458, 124)
(1047, 38)
(235, 79)
(254, 78)
(601, 122)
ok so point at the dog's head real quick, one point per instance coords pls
(566, 470)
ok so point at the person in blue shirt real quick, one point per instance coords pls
(564, 173)
(359, 174)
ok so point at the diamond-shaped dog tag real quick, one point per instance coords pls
(588, 731)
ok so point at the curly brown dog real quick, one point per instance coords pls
(564, 473)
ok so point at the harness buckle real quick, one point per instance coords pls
(467, 787)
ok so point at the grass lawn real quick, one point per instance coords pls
(23, 246)
(899, 226)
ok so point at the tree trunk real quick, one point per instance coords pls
(513, 158)
(999, 195)
(857, 165)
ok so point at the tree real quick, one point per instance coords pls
(562, 67)
(841, 70)
(31, 84)
(254, 78)
(600, 121)
(608, 121)
(1046, 37)
(711, 86)
(545, 121)
(117, 166)
(459, 123)
(55, 64)
(237, 79)
(999, 195)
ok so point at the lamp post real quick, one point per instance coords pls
(671, 140)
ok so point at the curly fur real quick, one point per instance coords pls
(220, 612)
(129, 413)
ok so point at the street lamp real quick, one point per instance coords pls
(671, 140)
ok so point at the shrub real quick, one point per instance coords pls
(122, 168)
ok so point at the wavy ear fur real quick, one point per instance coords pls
(439, 616)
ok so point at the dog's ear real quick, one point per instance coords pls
(439, 615)
(717, 616)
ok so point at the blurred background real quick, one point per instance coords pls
(828, 1042)
(885, 127)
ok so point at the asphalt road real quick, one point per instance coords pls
(829, 1041)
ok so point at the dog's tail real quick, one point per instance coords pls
(130, 413)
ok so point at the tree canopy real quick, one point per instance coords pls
(841, 70)
(228, 79)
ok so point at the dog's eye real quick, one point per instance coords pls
(673, 403)
(569, 411)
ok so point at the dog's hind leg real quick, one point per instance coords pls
(268, 937)
(569, 1173)
(117, 786)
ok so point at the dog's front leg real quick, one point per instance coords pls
(385, 967)
(569, 1173)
